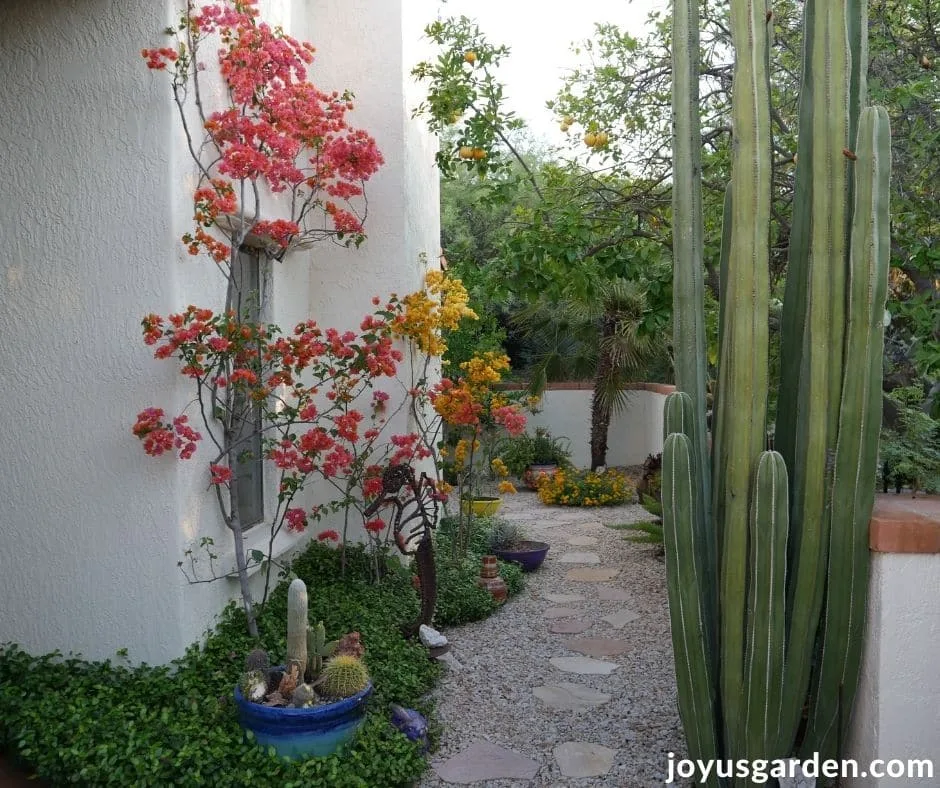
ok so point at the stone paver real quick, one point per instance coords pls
(582, 541)
(609, 594)
(563, 599)
(597, 647)
(592, 574)
(483, 760)
(580, 759)
(621, 618)
(568, 696)
(580, 558)
(586, 666)
(569, 626)
(560, 612)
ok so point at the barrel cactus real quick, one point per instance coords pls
(767, 551)
(343, 676)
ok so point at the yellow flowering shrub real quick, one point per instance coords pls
(426, 313)
(585, 488)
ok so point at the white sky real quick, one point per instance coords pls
(540, 42)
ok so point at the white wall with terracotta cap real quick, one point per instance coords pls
(897, 714)
(635, 432)
(95, 200)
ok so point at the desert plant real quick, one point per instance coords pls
(768, 551)
(343, 676)
(297, 624)
(318, 649)
(504, 534)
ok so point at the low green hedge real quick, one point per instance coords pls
(103, 724)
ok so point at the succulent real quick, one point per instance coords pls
(505, 534)
(350, 645)
(318, 649)
(343, 676)
(297, 624)
(767, 551)
(253, 685)
(257, 659)
(289, 680)
(303, 696)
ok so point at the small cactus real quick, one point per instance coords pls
(297, 624)
(317, 650)
(350, 645)
(257, 659)
(289, 681)
(303, 696)
(254, 686)
(343, 676)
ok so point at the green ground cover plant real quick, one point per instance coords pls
(109, 724)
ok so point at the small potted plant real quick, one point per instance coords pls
(529, 457)
(508, 542)
(315, 702)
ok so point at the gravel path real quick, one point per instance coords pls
(517, 680)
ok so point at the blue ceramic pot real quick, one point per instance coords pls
(529, 555)
(303, 733)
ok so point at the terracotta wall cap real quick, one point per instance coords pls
(902, 524)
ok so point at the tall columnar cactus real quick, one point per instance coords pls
(297, 625)
(767, 559)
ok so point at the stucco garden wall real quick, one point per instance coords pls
(897, 713)
(635, 432)
(94, 202)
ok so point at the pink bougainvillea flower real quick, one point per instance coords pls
(296, 520)
(330, 535)
(221, 474)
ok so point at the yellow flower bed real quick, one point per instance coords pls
(585, 488)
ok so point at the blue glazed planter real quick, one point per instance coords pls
(303, 733)
(529, 555)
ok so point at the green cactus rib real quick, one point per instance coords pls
(688, 279)
(836, 679)
(767, 592)
(724, 254)
(818, 392)
(677, 415)
(685, 580)
(740, 416)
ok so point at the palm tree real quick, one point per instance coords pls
(598, 339)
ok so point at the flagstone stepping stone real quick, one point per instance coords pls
(580, 558)
(592, 574)
(560, 612)
(568, 696)
(563, 599)
(582, 541)
(621, 618)
(584, 665)
(608, 594)
(569, 626)
(597, 647)
(483, 760)
(580, 759)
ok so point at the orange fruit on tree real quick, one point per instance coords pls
(466, 152)
(590, 139)
(470, 57)
(479, 153)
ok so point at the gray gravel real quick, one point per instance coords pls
(490, 696)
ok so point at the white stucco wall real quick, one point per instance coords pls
(897, 714)
(94, 203)
(635, 432)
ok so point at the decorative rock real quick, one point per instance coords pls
(608, 594)
(592, 574)
(560, 612)
(621, 618)
(597, 647)
(582, 541)
(584, 665)
(430, 637)
(451, 661)
(483, 760)
(563, 599)
(580, 558)
(580, 759)
(568, 696)
(569, 626)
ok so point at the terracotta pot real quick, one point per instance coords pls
(533, 473)
(491, 581)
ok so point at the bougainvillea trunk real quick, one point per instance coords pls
(785, 634)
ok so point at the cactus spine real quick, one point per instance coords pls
(791, 567)
(343, 676)
(297, 625)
